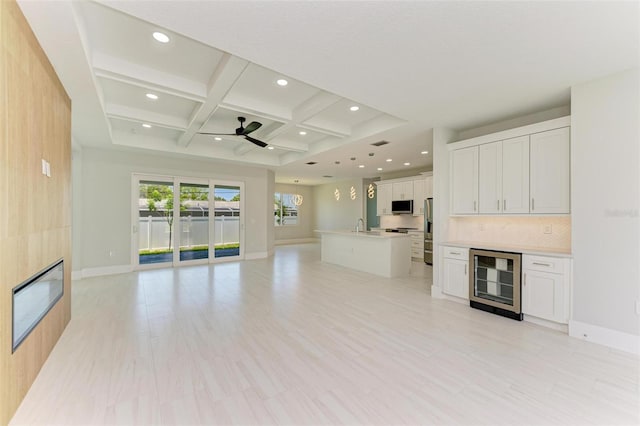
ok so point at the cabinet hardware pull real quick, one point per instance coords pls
(525, 279)
(465, 269)
(533, 204)
(504, 205)
(543, 264)
(474, 206)
(456, 252)
(498, 205)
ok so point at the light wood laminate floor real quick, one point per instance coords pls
(290, 340)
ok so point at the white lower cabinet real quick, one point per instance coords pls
(417, 245)
(455, 275)
(545, 287)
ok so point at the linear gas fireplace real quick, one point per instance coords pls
(34, 298)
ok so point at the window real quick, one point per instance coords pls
(285, 210)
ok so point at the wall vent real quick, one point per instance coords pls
(327, 176)
(380, 143)
(311, 163)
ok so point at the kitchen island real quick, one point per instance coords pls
(381, 253)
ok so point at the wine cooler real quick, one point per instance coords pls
(494, 282)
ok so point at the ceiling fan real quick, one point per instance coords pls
(243, 131)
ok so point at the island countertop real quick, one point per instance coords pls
(364, 234)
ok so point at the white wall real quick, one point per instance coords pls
(304, 228)
(103, 191)
(605, 203)
(343, 214)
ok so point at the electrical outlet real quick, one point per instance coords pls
(111, 253)
(546, 229)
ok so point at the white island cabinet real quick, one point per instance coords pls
(380, 253)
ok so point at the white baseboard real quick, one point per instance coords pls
(564, 328)
(76, 275)
(105, 270)
(256, 255)
(297, 241)
(605, 336)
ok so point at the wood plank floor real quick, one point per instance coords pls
(290, 340)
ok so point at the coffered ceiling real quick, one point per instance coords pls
(407, 66)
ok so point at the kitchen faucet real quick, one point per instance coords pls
(358, 225)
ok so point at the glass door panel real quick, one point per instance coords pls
(227, 221)
(194, 221)
(155, 222)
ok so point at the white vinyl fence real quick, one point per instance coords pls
(153, 232)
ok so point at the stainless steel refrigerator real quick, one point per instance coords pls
(428, 231)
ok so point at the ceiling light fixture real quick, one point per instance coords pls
(424, 152)
(389, 160)
(282, 82)
(354, 108)
(379, 169)
(407, 164)
(152, 96)
(161, 37)
(271, 147)
(302, 133)
(217, 138)
(146, 126)
(361, 166)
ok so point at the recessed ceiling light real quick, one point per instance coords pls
(407, 164)
(389, 160)
(271, 147)
(379, 169)
(302, 132)
(217, 138)
(354, 108)
(424, 152)
(282, 82)
(161, 37)
(152, 96)
(146, 126)
(361, 166)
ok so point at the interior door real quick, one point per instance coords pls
(192, 231)
(228, 228)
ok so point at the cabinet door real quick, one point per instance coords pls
(550, 172)
(543, 296)
(418, 197)
(456, 278)
(490, 178)
(464, 181)
(428, 187)
(383, 199)
(402, 190)
(515, 175)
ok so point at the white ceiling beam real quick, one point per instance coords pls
(116, 69)
(222, 80)
(144, 116)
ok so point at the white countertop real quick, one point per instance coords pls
(364, 234)
(538, 251)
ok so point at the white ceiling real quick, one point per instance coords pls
(410, 66)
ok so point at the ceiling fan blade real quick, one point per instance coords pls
(251, 127)
(256, 141)
(217, 134)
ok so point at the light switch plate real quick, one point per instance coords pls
(48, 169)
(44, 167)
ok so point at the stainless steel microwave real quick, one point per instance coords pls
(402, 207)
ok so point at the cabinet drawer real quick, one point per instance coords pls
(417, 244)
(417, 253)
(543, 264)
(455, 253)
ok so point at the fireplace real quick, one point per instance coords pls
(34, 298)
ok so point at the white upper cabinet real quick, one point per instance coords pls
(428, 187)
(402, 190)
(503, 169)
(383, 199)
(419, 195)
(515, 175)
(464, 181)
(490, 177)
(550, 171)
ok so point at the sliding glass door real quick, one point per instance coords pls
(194, 238)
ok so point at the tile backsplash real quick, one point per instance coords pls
(552, 232)
(401, 221)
